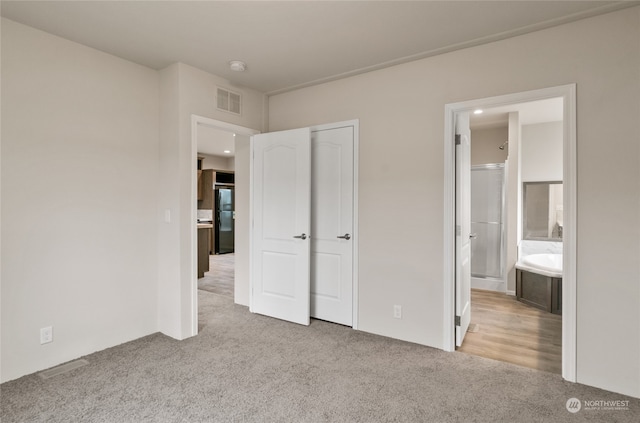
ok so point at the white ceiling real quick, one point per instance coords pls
(215, 142)
(541, 111)
(290, 44)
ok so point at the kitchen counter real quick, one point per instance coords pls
(203, 248)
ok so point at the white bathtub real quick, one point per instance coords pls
(543, 264)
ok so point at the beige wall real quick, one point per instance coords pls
(95, 150)
(485, 143)
(187, 91)
(401, 150)
(541, 150)
(168, 248)
(79, 199)
(242, 221)
(513, 199)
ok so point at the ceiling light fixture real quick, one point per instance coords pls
(477, 112)
(227, 151)
(237, 66)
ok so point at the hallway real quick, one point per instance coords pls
(220, 277)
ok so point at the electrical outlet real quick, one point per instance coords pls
(46, 335)
(397, 311)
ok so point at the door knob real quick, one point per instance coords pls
(473, 236)
(345, 236)
(303, 236)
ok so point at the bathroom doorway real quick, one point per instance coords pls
(510, 108)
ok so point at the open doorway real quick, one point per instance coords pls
(513, 147)
(221, 195)
(501, 224)
(216, 210)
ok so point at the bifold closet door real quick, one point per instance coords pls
(332, 224)
(281, 182)
(303, 220)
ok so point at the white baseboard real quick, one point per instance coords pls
(512, 293)
(488, 284)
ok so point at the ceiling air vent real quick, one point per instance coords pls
(229, 101)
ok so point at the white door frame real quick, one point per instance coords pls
(355, 123)
(569, 317)
(193, 205)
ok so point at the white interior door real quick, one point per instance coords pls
(281, 178)
(332, 224)
(463, 226)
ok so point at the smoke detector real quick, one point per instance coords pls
(237, 66)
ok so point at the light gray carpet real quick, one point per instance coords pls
(220, 277)
(250, 368)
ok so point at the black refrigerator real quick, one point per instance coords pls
(224, 221)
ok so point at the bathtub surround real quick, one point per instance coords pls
(528, 247)
(539, 281)
(543, 264)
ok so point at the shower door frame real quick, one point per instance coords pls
(569, 317)
(491, 279)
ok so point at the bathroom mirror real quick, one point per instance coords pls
(542, 209)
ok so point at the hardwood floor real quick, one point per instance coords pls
(510, 331)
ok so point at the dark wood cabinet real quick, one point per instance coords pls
(203, 248)
(539, 291)
(205, 184)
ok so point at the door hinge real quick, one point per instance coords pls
(458, 230)
(457, 320)
(458, 139)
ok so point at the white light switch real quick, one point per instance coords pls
(167, 215)
(397, 311)
(46, 335)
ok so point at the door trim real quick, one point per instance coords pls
(569, 316)
(196, 121)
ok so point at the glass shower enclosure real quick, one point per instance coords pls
(487, 222)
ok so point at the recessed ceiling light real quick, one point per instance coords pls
(477, 111)
(227, 151)
(237, 65)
